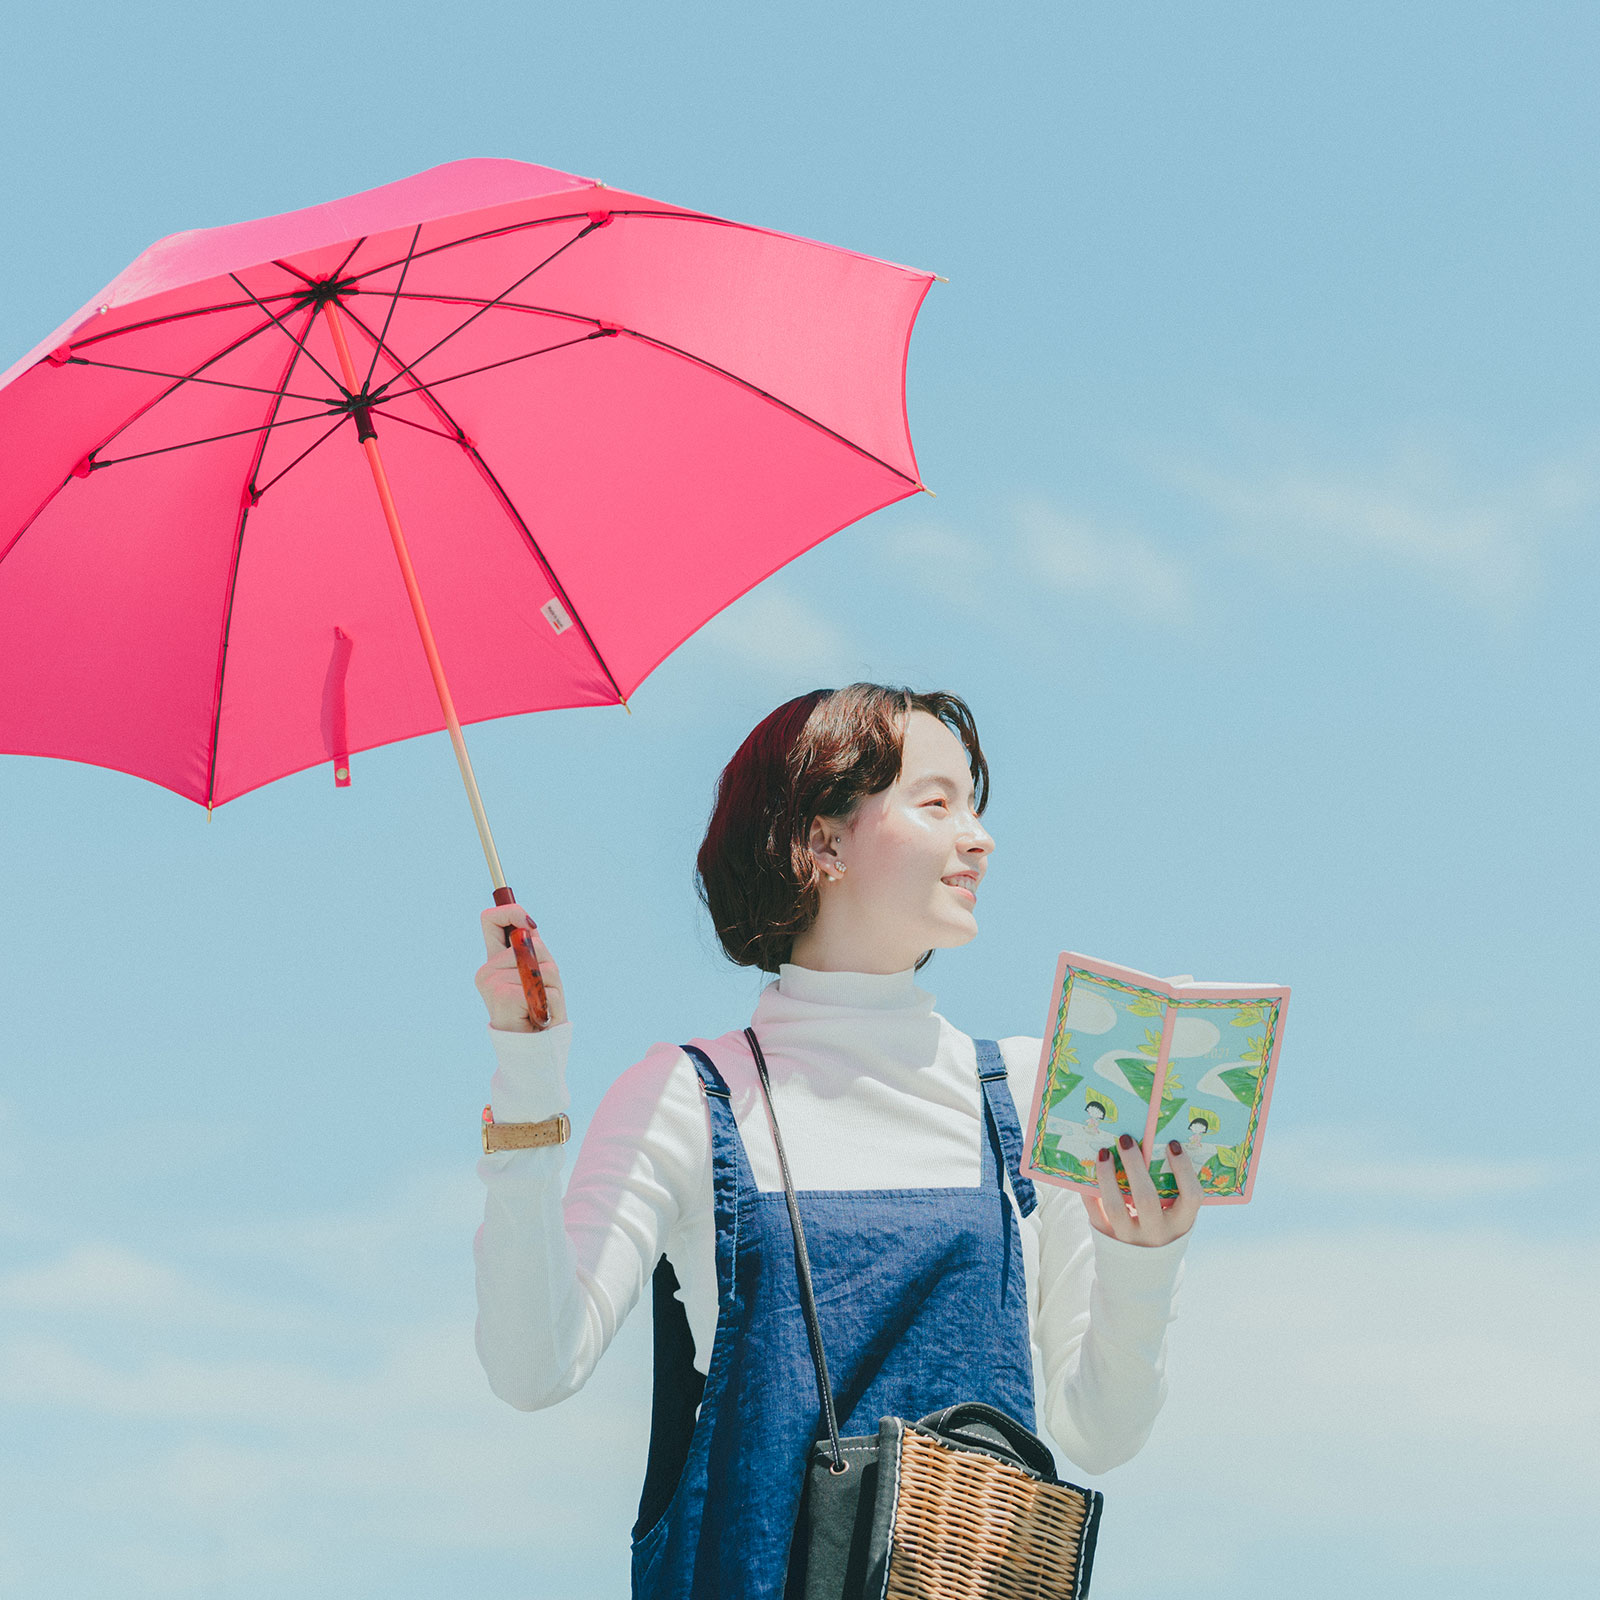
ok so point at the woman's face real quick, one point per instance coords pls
(913, 856)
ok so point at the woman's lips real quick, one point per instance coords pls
(963, 885)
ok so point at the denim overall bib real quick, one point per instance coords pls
(922, 1301)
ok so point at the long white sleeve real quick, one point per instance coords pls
(872, 1089)
(557, 1275)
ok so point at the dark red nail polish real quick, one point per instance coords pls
(1126, 1141)
(1175, 1147)
(1105, 1155)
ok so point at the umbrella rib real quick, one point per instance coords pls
(545, 222)
(583, 232)
(766, 394)
(644, 338)
(394, 300)
(556, 586)
(155, 400)
(215, 438)
(477, 238)
(215, 383)
(394, 416)
(143, 410)
(178, 316)
(283, 472)
(247, 501)
(297, 342)
(433, 383)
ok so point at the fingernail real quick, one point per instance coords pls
(1175, 1147)
(1126, 1141)
(1105, 1155)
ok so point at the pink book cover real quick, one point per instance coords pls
(1125, 1052)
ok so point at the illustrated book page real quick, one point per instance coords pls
(1125, 1052)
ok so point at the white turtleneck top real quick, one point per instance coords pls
(872, 1089)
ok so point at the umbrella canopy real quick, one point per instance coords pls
(603, 419)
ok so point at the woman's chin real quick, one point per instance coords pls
(953, 932)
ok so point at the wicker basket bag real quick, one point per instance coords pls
(962, 1505)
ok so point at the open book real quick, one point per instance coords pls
(1128, 1053)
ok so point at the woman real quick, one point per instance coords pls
(845, 846)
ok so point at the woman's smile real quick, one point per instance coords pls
(965, 883)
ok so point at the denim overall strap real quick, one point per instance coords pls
(730, 1167)
(1003, 1122)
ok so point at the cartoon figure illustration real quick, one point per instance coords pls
(1084, 1140)
(1201, 1123)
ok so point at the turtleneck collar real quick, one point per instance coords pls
(854, 991)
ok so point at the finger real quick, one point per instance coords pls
(1182, 1169)
(1096, 1211)
(1118, 1223)
(496, 919)
(1141, 1186)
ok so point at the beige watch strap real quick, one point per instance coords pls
(499, 1136)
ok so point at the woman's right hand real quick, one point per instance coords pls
(500, 983)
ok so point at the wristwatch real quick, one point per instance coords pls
(499, 1136)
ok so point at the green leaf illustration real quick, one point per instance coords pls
(1146, 1005)
(1249, 1016)
(1061, 1087)
(1244, 1083)
(1140, 1075)
(1254, 1049)
(1172, 1098)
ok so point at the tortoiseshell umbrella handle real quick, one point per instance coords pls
(521, 941)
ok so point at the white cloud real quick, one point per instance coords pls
(783, 637)
(1406, 1400)
(1419, 510)
(1332, 1163)
(1194, 1036)
(1088, 1012)
(107, 1281)
(1120, 567)
(1322, 1382)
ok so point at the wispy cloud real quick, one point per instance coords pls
(783, 637)
(1119, 566)
(1063, 552)
(1420, 510)
(109, 1282)
(1433, 1389)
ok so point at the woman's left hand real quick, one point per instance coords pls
(1142, 1216)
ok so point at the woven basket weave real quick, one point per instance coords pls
(969, 1527)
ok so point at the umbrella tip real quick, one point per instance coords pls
(934, 493)
(626, 707)
(208, 811)
(940, 277)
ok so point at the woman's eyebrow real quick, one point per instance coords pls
(937, 780)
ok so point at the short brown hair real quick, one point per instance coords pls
(817, 755)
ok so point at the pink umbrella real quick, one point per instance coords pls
(602, 419)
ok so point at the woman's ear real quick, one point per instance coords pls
(822, 842)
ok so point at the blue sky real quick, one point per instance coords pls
(1261, 408)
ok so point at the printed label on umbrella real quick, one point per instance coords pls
(556, 615)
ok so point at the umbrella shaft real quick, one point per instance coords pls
(397, 537)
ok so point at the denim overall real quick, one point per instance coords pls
(922, 1301)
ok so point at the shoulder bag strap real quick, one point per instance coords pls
(802, 1267)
